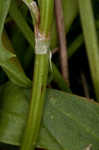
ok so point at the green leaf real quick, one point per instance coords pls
(8, 60)
(21, 23)
(11, 65)
(47, 141)
(72, 120)
(4, 7)
(69, 122)
(13, 114)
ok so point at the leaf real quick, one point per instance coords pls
(13, 114)
(72, 120)
(8, 60)
(21, 47)
(69, 122)
(4, 7)
(47, 141)
(21, 23)
(12, 66)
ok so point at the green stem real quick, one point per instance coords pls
(37, 102)
(46, 15)
(91, 42)
(39, 78)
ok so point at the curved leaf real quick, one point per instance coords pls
(4, 7)
(21, 23)
(11, 65)
(8, 60)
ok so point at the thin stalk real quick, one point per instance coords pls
(39, 77)
(91, 42)
(74, 46)
(85, 85)
(62, 39)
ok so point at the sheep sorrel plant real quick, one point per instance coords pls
(49, 74)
